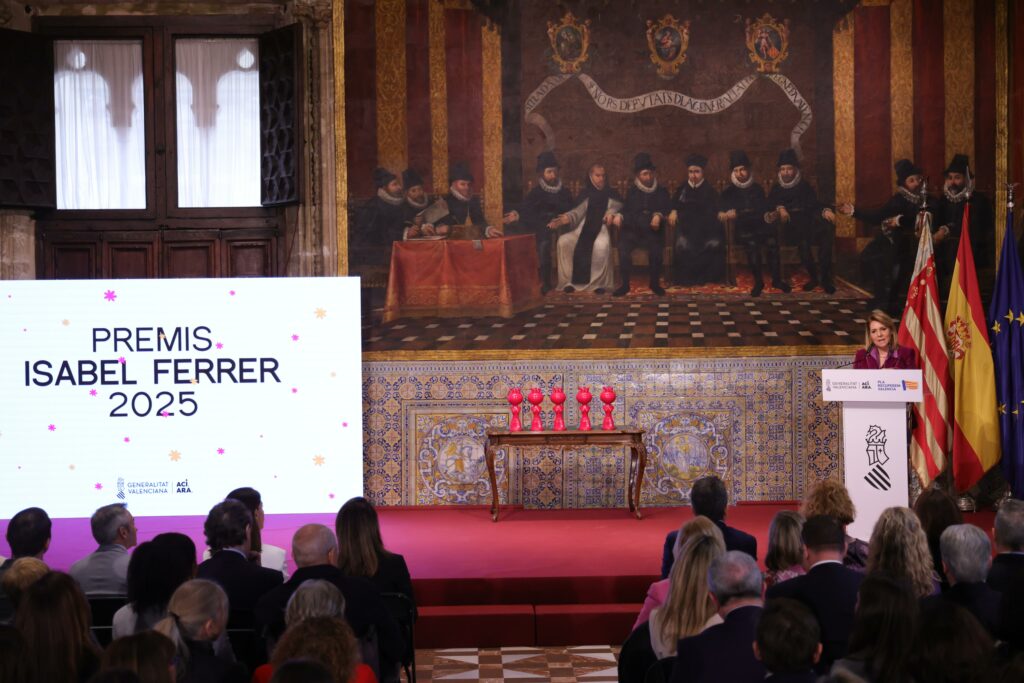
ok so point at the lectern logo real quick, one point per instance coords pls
(877, 477)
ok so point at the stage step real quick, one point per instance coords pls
(450, 626)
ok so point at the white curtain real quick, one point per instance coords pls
(218, 117)
(100, 134)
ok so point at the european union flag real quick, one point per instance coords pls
(1006, 320)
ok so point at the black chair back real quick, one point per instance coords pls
(660, 671)
(103, 608)
(404, 611)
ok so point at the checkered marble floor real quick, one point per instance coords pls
(603, 323)
(595, 664)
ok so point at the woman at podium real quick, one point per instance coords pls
(880, 348)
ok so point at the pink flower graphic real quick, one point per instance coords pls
(295, 337)
(164, 413)
(331, 496)
(232, 292)
(93, 392)
(220, 451)
(295, 390)
(98, 486)
(127, 440)
(52, 428)
(219, 346)
(110, 295)
(121, 360)
(344, 424)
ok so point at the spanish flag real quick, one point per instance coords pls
(975, 424)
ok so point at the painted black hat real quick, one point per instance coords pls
(382, 176)
(642, 162)
(738, 157)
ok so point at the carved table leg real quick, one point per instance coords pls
(489, 453)
(641, 452)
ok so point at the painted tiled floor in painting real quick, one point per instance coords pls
(589, 663)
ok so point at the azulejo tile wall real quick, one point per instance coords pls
(759, 423)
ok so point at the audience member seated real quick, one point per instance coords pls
(302, 671)
(724, 652)
(937, 511)
(315, 550)
(28, 535)
(828, 588)
(1008, 564)
(149, 654)
(966, 555)
(688, 608)
(709, 498)
(197, 615)
(830, 497)
(228, 530)
(788, 642)
(12, 654)
(899, 549)
(361, 551)
(263, 554)
(785, 558)
(327, 641)
(952, 647)
(658, 591)
(155, 571)
(884, 627)
(105, 571)
(23, 573)
(53, 617)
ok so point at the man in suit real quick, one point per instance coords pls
(828, 588)
(315, 550)
(723, 652)
(644, 216)
(228, 531)
(966, 555)
(709, 498)
(1008, 564)
(788, 641)
(28, 535)
(105, 571)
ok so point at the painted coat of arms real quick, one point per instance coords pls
(570, 42)
(958, 337)
(768, 43)
(668, 39)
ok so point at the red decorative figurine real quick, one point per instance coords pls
(608, 398)
(583, 397)
(535, 397)
(558, 398)
(515, 397)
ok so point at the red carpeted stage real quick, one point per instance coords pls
(564, 577)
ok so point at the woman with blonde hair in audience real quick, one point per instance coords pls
(899, 550)
(785, 548)
(54, 619)
(830, 497)
(361, 551)
(197, 615)
(329, 641)
(149, 654)
(22, 573)
(658, 591)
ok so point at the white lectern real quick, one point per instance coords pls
(874, 437)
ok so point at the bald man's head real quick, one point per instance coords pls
(314, 544)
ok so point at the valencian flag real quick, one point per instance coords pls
(921, 329)
(975, 424)
(1006, 322)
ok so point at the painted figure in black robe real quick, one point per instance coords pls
(380, 222)
(537, 216)
(644, 217)
(463, 207)
(699, 249)
(958, 192)
(416, 200)
(807, 222)
(887, 262)
(743, 202)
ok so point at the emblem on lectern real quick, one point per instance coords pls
(877, 477)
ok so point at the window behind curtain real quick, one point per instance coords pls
(218, 122)
(100, 137)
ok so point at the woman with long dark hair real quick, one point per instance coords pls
(884, 628)
(155, 571)
(361, 551)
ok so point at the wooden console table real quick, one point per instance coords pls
(634, 438)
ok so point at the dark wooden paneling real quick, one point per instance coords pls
(72, 257)
(130, 258)
(249, 257)
(190, 255)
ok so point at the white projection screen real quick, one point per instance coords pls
(165, 394)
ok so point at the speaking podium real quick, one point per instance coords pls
(874, 437)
